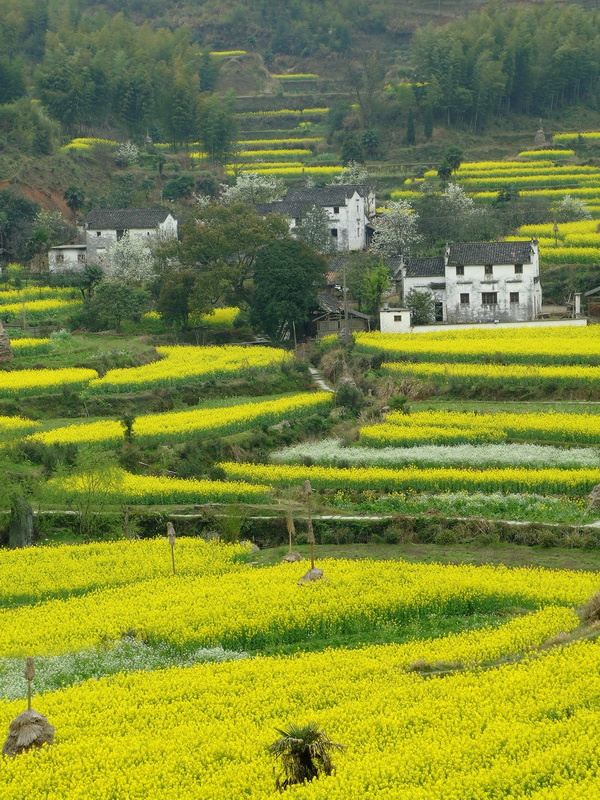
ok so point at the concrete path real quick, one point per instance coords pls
(320, 380)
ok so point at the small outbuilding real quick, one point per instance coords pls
(329, 318)
(394, 320)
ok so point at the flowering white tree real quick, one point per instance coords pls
(458, 200)
(572, 209)
(396, 229)
(127, 153)
(130, 260)
(352, 175)
(314, 230)
(251, 188)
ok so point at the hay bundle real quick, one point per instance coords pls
(27, 731)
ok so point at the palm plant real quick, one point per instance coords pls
(304, 752)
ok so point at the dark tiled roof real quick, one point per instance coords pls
(332, 305)
(125, 218)
(326, 195)
(462, 253)
(285, 207)
(297, 201)
(425, 267)
(337, 263)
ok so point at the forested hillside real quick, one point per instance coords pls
(301, 87)
(147, 68)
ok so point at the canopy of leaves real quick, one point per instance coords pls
(421, 306)
(509, 58)
(113, 302)
(222, 246)
(287, 277)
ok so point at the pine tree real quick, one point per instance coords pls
(428, 123)
(410, 137)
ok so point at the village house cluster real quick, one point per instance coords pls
(471, 282)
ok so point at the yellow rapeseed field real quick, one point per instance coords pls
(224, 419)
(483, 728)
(118, 486)
(187, 363)
(427, 479)
(9, 426)
(556, 344)
(251, 608)
(36, 310)
(42, 381)
(38, 573)
(477, 427)
(26, 346)
(572, 377)
(518, 731)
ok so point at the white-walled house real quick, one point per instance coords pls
(104, 227)
(493, 281)
(67, 257)
(426, 275)
(479, 281)
(350, 209)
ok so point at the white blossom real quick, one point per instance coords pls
(352, 175)
(251, 188)
(458, 200)
(572, 209)
(129, 260)
(330, 452)
(128, 153)
(396, 229)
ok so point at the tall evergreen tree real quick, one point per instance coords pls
(410, 137)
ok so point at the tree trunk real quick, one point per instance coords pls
(20, 527)
(6, 353)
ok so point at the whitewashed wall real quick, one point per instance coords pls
(504, 281)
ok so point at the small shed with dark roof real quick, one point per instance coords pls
(328, 318)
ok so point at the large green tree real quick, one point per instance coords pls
(222, 245)
(217, 125)
(287, 277)
(180, 294)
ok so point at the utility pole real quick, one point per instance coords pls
(345, 330)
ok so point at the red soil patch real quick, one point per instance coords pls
(51, 201)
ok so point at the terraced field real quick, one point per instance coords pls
(125, 650)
